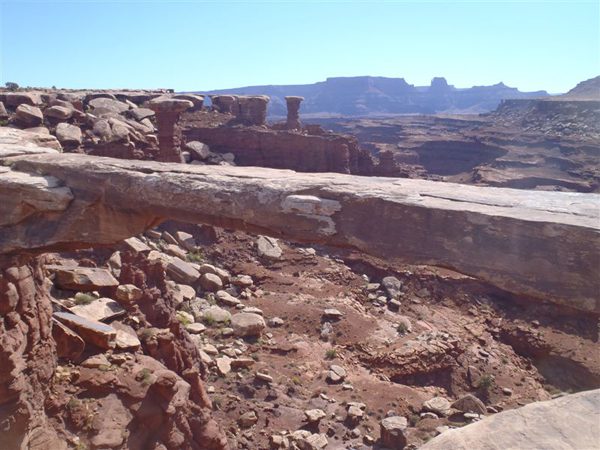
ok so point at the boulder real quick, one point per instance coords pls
(140, 114)
(106, 106)
(14, 99)
(59, 112)
(210, 282)
(565, 423)
(68, 134)
(69, 344)
(27, 115)
(83, 278)
(92, 332)
(226, 298)
(438, 405)
(393, 286)
(392, 430)
(198, 150)
(268, 248)
(216, 314)
(126, 338)
(128, 293)
(470, 403)
(247, 324)
(182, 272)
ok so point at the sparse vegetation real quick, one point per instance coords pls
(331, 353)
(195, 256)
(144, 376)
(208, 319)
(486, 383)
(12, 86)
(81, 298)
(73, 403)
(402, 328)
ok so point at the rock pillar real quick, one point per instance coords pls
(293, 116)
(223, 103)
(253, 109)
(167, 113)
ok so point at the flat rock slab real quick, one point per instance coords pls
(99, 310)
(83, 278)
(566, 423)
(538, 244)
(92, 332)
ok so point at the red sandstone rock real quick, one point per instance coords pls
(167, 113)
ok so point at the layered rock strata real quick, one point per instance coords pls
(540, 244)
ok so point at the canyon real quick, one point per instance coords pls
(181, 276)
(372, 96)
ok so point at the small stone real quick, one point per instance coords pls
(332, 314)
(93, 362)
(275, 322)
(264, 377)
(314, 415)
(336, 374)
(428, 415)
(242, 281)
(507, 391)
(227, 299)
(471, 416)
(223, 365)
(195, 328)
(242, 363)
(248, 419)
(253, 310)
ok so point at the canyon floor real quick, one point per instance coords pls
(445, 336)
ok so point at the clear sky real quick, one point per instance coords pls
(196, 45)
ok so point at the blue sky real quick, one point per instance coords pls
(196, 45)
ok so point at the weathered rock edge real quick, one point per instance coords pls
(569, 422)
(534, 243)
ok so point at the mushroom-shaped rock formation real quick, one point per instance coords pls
(167, 111)
(293, 115)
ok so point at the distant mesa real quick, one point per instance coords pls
(586, 90)
(379, 96)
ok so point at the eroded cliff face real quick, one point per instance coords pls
(126, 398)
(27, 356)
